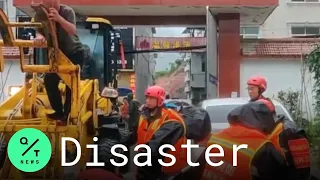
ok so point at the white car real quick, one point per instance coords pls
(183, 102)
(219, 109)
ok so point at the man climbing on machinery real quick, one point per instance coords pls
(70, 45)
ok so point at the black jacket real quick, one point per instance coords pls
(291, 132)
(268, 163)
(168, 133)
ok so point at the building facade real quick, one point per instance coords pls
(293, 18)
(9, 9)
(195, 72)
(289, 19)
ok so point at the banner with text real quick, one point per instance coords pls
(144, 43)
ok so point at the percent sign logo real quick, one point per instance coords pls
(29, 157)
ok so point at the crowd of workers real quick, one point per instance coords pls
(276, 149)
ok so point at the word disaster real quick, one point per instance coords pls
(208, 154)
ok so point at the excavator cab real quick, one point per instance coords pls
(102, 43)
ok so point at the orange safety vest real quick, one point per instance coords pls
(146, 132)
(234, 135)
(274, 138)
(299, 148)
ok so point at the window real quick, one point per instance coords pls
(1, 4)
(203, 66)
(19, 12)
(219, 114)
(305, 30)
(249, 32)
(305, 1)
(21, 31)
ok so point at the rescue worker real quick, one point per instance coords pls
(286, 136)
(158, 126)
(125, 110)
(133, 118)
(257, 85)
(133, 112)
(294, 146)
(249, 124)
(69, 43)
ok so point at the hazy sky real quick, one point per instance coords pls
(164, 59)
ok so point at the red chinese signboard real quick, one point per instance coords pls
(143, 43)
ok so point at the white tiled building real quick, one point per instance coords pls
(7, 6)
(290, 18)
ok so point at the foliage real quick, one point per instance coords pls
(290, 100)
(313, 64)
(160, 74)
(172, 68)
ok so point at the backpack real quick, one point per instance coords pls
(197, 122)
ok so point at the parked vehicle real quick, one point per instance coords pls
(219, 109)
(183, 102)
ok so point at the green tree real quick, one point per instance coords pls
(313, 64)
(172, 68)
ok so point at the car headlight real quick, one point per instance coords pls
(13, 90)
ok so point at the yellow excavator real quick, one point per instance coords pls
(93, 98)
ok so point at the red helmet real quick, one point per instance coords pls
(156, 92)
(259, 81)
(268, 103)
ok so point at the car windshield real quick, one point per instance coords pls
(219, 113)
(178, 103)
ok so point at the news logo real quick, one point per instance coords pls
(29, 150)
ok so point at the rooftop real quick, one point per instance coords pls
(291, 47)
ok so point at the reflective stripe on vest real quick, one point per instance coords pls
(244, 156)
(229, 144)
(146, 132)
(274, 138)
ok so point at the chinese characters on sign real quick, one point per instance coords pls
(170, 44)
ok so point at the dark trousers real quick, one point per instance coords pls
(51, 82)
